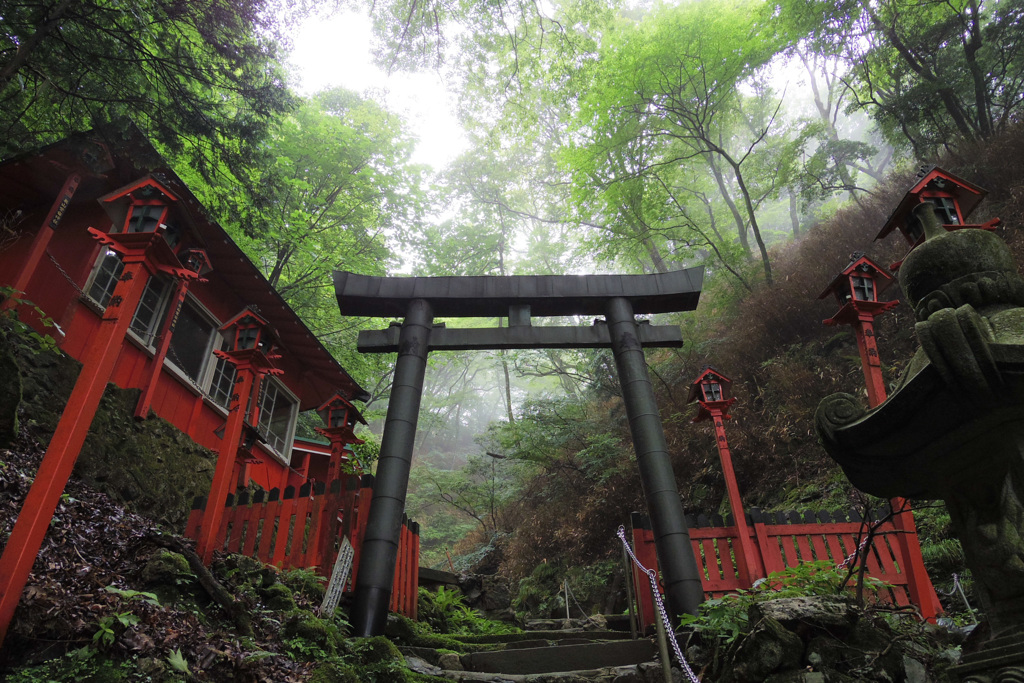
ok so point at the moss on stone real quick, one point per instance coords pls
(278, 597)
(165, 573)
(319, 632)
(148, 465)
(334, 672)
(10, 391)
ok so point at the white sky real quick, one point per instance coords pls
(336, 51)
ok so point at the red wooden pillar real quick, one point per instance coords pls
(250, 350)
(856, 289)
(45, 233)
(198, 262)
(142, 254)
(711, 391)
(746, 559)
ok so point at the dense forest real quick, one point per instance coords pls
(763, 140)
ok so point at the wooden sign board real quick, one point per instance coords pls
(339, 577)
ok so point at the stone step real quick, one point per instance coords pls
(997, 653)
(576, 657)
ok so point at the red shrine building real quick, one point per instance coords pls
(174, 348)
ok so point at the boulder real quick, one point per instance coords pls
(768, 648)
(810, 614)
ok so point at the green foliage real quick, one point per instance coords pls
(308, 638)
(42, 342)
(726, 618)
(305, 581)
(127, 594)
(200, 78)
(111, 626)
(82, 664)
(178, 662)
(445, 612)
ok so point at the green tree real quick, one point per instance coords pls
(930, 72)
(666, 93)
(199, 78)
(338, 190)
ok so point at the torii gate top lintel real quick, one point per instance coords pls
(491, 296)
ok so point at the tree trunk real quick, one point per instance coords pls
(741, 227)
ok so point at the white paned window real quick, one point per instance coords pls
(191, 346)
(222, 385)
(277, 416)
(149, 314)
(104, 278)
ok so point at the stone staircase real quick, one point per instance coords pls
(570, 655)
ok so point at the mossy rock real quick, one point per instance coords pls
(240, 569)
(319, 632)
(148, 465)
(334, 672)
(400, 629)
(278, 597)
(165, 573)
(10, 392)
(375, 650)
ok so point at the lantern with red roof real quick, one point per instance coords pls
(340, 418)
(953, 200)
(712, 391)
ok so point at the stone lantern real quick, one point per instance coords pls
(953, 428)
(951, 199)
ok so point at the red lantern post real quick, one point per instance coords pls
(340, 418)
(711, 391)
(250, 349)
(857, 289)
(142, 254)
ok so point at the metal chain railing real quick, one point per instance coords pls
(67, 277)
(576, 602)
(958, 588)
(652, 576)
(852, 556)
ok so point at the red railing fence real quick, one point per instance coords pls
(304, 528)
(782, 539)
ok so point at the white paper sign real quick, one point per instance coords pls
(339, 577)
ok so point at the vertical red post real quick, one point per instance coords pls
(141, 253)
(864, 329)
(223, 483)
(919, 584)
(45, 233)
(157, 364)
(856, 289)
(744, 548)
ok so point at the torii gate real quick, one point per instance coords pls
(418, 299)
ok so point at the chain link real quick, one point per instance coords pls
(852, 556)
(67, 277)
(653, 577)
(577, 603)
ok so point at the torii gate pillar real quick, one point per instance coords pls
(671, 537)
(617, 297)
(384, 524)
